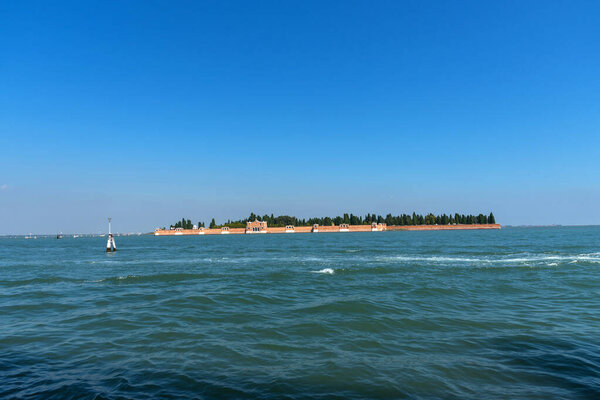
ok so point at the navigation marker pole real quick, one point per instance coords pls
(110, 244)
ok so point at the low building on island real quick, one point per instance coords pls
(256, 226)
(378, 227)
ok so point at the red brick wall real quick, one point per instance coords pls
(440, 227)
(326, 229)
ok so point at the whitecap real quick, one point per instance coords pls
(526, 258)
(120, 278)
(324, 271)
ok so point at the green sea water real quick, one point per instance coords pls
(511, 313)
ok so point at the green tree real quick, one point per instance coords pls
(212, 224)
(389, 219)
(491, 219)
(346, 218)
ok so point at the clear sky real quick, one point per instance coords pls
(153, 110)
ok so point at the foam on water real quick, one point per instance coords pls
(324, 271)
(589, 257)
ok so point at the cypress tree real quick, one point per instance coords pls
(346, 218)
(389, 219)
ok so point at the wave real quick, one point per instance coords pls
(541, 258)
(174, 277)
(165, 261)
(41, 281)
(329, 271)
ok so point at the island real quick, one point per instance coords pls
(256, 224)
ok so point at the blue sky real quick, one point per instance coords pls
(150, 111)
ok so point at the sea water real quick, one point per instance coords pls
(511, 313)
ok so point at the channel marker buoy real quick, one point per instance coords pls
(110, 244)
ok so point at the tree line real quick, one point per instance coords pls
(186, 224)
(351, 219)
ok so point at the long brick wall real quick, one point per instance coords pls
(441, 227)
(325, 229)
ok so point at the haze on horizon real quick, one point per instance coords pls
(149, 112)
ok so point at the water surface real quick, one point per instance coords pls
(513, 313)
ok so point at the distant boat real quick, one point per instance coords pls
(29, 237)
(75, 236)
(59, 236)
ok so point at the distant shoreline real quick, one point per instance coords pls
(256, 229)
